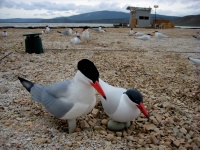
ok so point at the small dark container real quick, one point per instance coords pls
(33, 43)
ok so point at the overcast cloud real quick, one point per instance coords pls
(57, 8)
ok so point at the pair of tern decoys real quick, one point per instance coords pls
(145, 37)
(84, 37)
(72, 98)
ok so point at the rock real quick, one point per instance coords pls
(110, 137)
(154, 139)
(149, 126)
(119, 134)
(129, 138)
(8, 123)
(176, 143)
(183, 130)
(95, 112)
(166, 104)
(84, 124)
(158, 117)
(98, 128)
(40, 141)
(79, 138)
(197, 141)
(175, 119)
(104, 121)
(103, 132)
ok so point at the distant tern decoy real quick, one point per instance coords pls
(196, 61)
(71, 98)
(76, 33)
(143, 37)
(47, 29)
(122, 105)
(85, 34)
(139, 33)
(131, 32)
(197, 36)
(160, 35)
(99, 29)
(76, 40)
(4, 33)
(68, 32)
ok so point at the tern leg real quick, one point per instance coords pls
(71, 125)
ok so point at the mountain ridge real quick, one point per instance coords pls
(105, 17)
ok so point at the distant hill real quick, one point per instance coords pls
(192, 20)
(18, 20)
(102, 17)
(92, 17)
(111, 17)
(99, 15)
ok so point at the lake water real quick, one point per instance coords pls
(26, 25)
(54, 24)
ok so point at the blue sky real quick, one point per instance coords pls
(57, 8)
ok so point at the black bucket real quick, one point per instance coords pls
(33, 43)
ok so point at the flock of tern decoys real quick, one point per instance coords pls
(74, 97)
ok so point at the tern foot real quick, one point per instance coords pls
(116, 126)
(71, 125)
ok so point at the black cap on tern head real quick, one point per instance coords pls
(88, 68)
(134, 95)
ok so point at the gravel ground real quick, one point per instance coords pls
(159, 69)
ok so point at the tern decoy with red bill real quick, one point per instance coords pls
(160, 35)
(122, 105)
(71, 98)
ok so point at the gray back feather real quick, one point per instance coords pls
(56, 106)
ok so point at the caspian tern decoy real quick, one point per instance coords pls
(139, 33)
(76, 40)
(76, 33)
(121, 105)
(160, 35)
(99, 29)
(196, 61)
(4, 34)
(71, 98)
(143, 37)
(196, 37)
(68, 32)
(85, 34)
(131, 32)
(47, 29)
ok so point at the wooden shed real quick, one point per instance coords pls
(139, 16)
